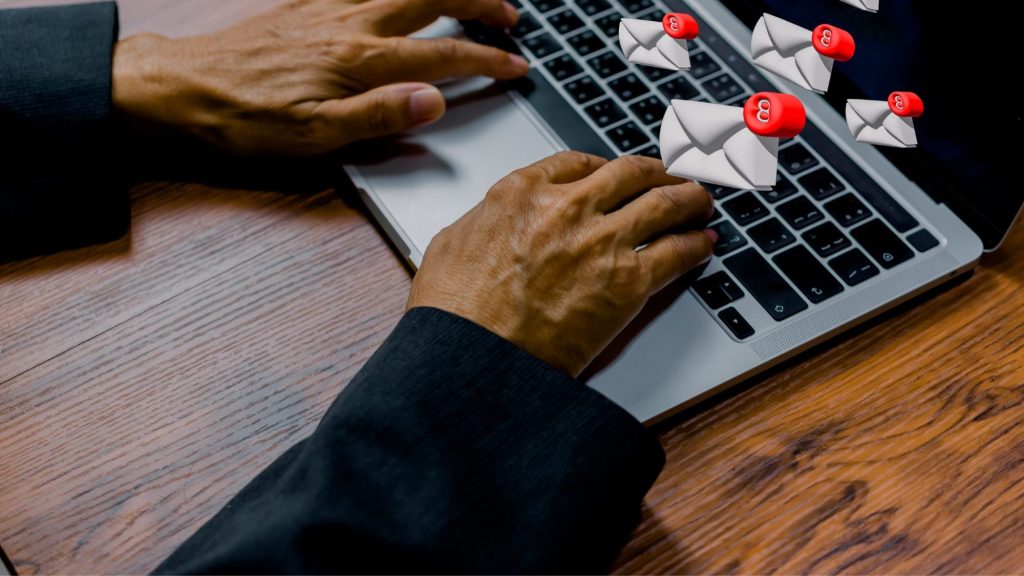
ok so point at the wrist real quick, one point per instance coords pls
(147, 93)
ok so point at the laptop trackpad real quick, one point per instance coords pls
(427, 179)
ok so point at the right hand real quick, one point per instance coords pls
(549, 259)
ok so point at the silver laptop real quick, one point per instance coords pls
(849, 231)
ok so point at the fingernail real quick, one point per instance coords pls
(426, 105)
(712, 234)
(519, 63)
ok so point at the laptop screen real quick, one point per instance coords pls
(962, 62)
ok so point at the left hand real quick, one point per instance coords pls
(308, 77)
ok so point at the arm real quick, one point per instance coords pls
(453, 451)
(465, 444)
(304, 79)
(57, 188)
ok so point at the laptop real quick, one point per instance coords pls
(850, 230)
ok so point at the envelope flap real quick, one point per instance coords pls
(760, 41)
(709, 125)
(872, 111)
(647, 33)
(786, 36)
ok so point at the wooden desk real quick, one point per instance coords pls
(143, 383)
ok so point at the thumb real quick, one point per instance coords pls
(382, 111)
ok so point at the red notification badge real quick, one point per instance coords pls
(833, 42)
(775, 115)
(906, 104)
(680, 26)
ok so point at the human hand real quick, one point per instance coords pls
(308, 77)
(549, 259)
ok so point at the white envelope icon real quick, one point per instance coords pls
(873, 122)
(786, 49)
(711, 143)
(869, 5)
(645, 42)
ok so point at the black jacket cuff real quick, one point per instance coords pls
(451, 451)
(57, 190)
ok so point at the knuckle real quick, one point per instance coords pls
(669, 199)
(448, 49)
(641, 167)
(512, 184)
(379, 117)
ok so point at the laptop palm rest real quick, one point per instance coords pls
(427, 179)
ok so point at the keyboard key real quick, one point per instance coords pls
(541, 45)
(719, 192)
(609, 24)
(656, 131)
(628, 136)
(637, 6)
(822, 183)
(605, 112)
(745, 209)
(547, 5)
(884, 246)
(796, 159)
(583, 90)
(783, 189)
(563, 67)
(853, 267)
(826, 240)
(607, 65)
(586, 42)
(848, 210)
(765, 284)
(678, 88)
(702, 64)
(740, 100)
(718, 290)
(729, 238)
(771, 235)
(655, 74)
(810, 277)
(565, 22)
(651, 152)
(922, 240)
(723, 88)
(650, 110)
(526, 25)
(628, 87)
(800, 212)
(651, 15)
(592, 7)
(736, 323)
(885, 205)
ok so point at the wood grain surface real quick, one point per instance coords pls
(144, 382)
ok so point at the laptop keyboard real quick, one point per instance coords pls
(825, 228)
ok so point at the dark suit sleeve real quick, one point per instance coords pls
(57, 188)
(451, 451)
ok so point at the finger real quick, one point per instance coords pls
(378, 112)
(567, 167)
(626, 178)
(401, 17)
(670, 257)
(418, 60)
(661, 210)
